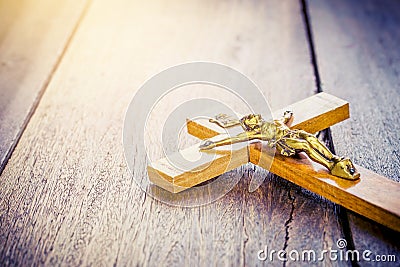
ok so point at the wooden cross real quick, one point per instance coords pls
(373, 196)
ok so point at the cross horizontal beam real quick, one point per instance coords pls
(314, 114)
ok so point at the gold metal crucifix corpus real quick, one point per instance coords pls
(373, 196)
(287, 142)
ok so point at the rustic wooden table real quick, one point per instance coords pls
(68, 70)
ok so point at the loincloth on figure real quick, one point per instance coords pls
(285, 144)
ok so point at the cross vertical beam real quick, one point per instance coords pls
(373, 196)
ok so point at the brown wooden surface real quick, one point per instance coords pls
(364, 39)
(33, 37)
(66, 196)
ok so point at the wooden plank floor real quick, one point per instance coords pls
(66, 195)
(365, 71)
(33, 38)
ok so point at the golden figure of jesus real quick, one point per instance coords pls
(287, 142)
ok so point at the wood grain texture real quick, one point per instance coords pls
(66, 196)
(33, 36)
(364, 40)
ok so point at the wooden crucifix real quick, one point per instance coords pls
(373, 196)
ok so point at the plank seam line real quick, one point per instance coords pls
(311, 46)
(43, 88)
(326, 134)
(288, 222)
